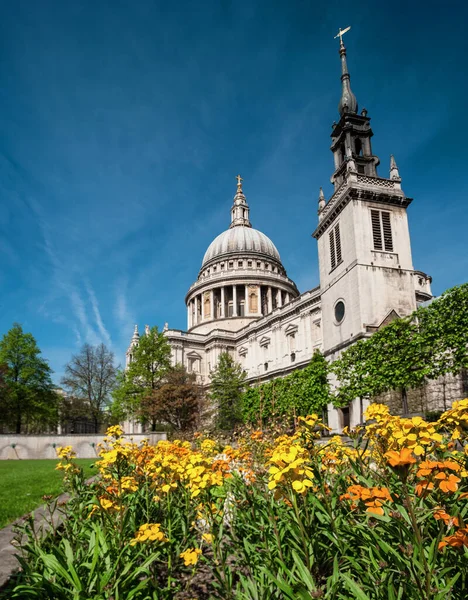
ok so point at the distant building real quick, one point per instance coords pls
(243, 301)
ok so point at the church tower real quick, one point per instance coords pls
(366, 268)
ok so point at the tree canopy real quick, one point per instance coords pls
(90, 377)
(404, 354)
(177, 401)
(226, 390)
(151, 360)
(28, 402)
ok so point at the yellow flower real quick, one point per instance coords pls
(208, 538)
(106, 504)
(190, 556)
(129, 484)
(149, 532)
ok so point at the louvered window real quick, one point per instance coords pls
(382, 230)
(335, 246)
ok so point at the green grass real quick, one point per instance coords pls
(24, 482)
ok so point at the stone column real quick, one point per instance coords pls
(286, 300)
(246, 301)
(212, 309)
(199, 306)
(222, 303)
(234, 301)
(270, 299)
(189, 308)
(279, 298)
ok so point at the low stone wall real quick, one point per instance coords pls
(14, 446)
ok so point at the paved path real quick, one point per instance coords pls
(8, 562)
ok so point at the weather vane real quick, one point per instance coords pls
(341, 33)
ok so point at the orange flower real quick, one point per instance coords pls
(457, 540)
(423, 487)
(441, 515)
(448, 484)
(373, 498)
(402, 458)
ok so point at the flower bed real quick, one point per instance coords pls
(286, 516)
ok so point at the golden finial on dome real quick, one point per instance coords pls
(239, 183)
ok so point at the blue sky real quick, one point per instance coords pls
(123, 125)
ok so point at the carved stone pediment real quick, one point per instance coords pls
(264, 341)
(243, 351)
(291, 329)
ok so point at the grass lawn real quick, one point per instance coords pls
(24, 482)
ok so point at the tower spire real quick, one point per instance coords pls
(240, 209)
(348, 102)
(394, 173)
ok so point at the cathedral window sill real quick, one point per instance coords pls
(336, 267)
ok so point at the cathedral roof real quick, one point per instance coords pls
(241, 239)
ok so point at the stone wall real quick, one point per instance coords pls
(436, 396)
(14, 446)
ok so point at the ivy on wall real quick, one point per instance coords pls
(300, 393)
(431, 342)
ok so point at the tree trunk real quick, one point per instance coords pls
(18, 422)
(404, 401)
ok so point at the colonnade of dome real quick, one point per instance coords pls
(241, 277)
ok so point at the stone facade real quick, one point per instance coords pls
(244, 303)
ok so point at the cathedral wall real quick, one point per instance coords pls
(279, 347)
(437, 396)
(383, 290)
(401, 256)
(233, 324)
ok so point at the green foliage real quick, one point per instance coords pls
(433, 341)
(226, 390)
(176, 402)
(444, 329)
(28, 402)
(302, 392)
(150, 362)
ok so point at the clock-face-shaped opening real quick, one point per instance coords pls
(339, 311)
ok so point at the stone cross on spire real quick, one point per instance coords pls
(341, 33)
(348, 102)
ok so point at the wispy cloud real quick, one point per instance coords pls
(97, 315)
(122, 312)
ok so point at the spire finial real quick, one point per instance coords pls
(348, 102)
(341, 33)
(321, 202)
(240, 208)
(394, 173)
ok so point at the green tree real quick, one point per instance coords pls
(395, 358)
(226, 390)
(443, 328)
(90, 376)
(27, 398)
(176, 402)
(150, 363)
(351, 371)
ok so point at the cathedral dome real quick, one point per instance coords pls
(241, 239)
